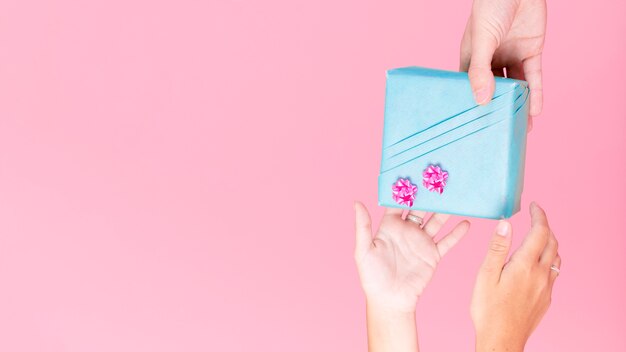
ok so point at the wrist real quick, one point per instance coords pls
(390, 306)
(390, 328)
(493, 343)
(385, 309)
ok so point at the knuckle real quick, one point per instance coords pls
(557, 261)
(498, 247)
(543, 229)
(490, 269)
(493, 28)
(477, 70)
(522, 266)
(556, 243)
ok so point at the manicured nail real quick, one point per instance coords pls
(503, 228)
(481, 95)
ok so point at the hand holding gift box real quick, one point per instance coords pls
(443, 152)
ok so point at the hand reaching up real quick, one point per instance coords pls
(397, 263)
(510, 298)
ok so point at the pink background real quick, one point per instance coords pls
(179, 175)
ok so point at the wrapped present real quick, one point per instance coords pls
(444, 153)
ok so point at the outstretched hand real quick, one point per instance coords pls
(398, 262)
(511, 297)
(505, 34)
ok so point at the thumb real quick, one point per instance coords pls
(363, 230)
(484, 45)
(499, 247)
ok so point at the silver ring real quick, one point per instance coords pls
(555, 269)
(414, 218)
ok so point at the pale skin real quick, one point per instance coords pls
(511, 297)
(397, 262)
(395, 265)
(505, 34)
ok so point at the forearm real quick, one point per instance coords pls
(389, 330)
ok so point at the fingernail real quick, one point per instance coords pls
(503, 228)
(481, 95)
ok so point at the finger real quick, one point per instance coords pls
(553, 273)
(484, 44)
(550, 251)
(537, 238)
(453, 237)
(435, 223)
(393, 211)
(363, 230)
(466, 48)
(419, 213)
(498, 71)
(412, 214)
(532, 71)
(499, 248)
(516, 71)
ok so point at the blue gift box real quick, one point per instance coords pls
(431, 118)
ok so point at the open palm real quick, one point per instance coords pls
(396, 265)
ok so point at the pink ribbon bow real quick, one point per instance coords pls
(404, 192)
(435, 178)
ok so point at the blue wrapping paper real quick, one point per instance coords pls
(431, 118)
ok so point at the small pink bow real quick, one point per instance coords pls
(435, 178)
(404, 192)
